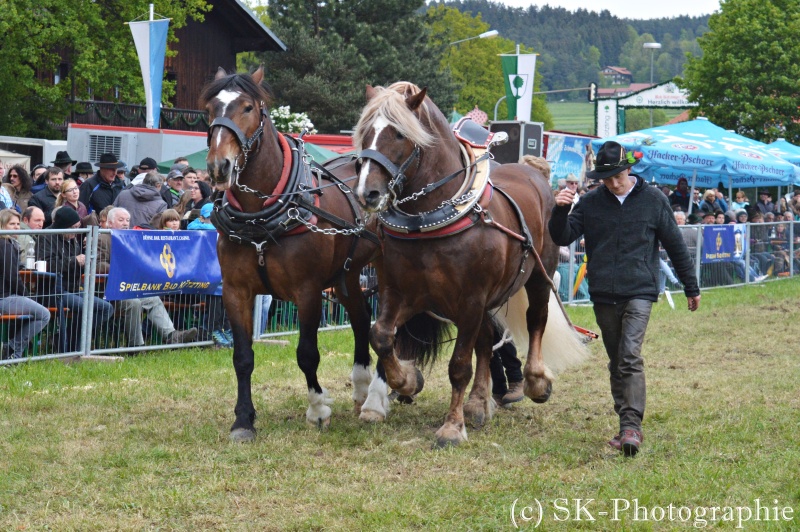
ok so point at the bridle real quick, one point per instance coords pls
(399, 177)
(245, 143)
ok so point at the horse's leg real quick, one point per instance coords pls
(238, 303)
(358, 310)
(403, 377)
(538, 379)
(480, 405)
(454, 431)
(309, 309)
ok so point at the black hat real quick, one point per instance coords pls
(611, 159)
(148, 163)
(764, 191)
(65, 218)
(63, 157)
(109, 160)
(83, 168)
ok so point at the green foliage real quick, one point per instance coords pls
(636, 119)
(88, 42)
(475, 64)
(575, 45)
(337, 48)
(748, 79)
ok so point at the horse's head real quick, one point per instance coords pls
(236, 106)
(389, 136)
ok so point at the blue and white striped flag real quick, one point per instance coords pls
(150, 37)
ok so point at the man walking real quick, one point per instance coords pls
(623, 222)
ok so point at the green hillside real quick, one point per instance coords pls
(578, 117)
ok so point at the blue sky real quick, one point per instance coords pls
(638, 9)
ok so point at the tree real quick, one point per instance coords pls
(638, 119)
(338, 47)
(86, 43)
(475, 64)
(748, 79)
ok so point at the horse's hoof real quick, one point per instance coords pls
(241, 435)
(404, 399)
(357, 407)
(539, 397)
(477, 412)
(420, 384)
(449, 436)
(371, 416)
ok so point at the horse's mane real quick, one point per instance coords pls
(390, 103)
(239, 83)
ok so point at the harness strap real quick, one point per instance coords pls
(527, 241)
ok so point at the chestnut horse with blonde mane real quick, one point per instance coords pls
(412, 170)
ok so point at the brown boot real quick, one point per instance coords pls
(515, 393)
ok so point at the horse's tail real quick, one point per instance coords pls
(562, 346)
(421, 339)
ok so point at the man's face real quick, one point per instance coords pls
(176, 183)
(108, 174)
(38, 173)
(765, 197)
(682, 186)
(36, 221)
(572, 185)
(54, 182)
(122, 220)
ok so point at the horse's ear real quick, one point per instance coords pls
(220, 73)
(415, 100)
(370, 92)
(258, 75)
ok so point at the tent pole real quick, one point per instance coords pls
(691, 192)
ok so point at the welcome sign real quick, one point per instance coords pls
(156, 263)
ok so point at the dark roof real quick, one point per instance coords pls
(254, 35)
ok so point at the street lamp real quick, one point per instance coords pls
(653, 46)
(485, 35)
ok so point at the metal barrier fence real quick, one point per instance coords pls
(44, 313)
(768, 251)
(52, 318)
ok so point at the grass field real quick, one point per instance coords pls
(578, 117)
(143, 444)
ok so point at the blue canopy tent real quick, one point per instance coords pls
(704, 154)
(788, 152)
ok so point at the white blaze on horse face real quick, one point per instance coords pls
(225, 97)
(380, 124)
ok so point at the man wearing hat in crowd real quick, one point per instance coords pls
(174, 190)
(65, 162)
(622, 223)
(104, 186)
(82, 172)
(147, 164)
(765, 204)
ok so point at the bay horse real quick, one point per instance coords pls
(287, 228)
(440, 263)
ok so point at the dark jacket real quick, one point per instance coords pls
(96, 194)
(60, 254)
(9, 255)
(622, 242)
(142, 202)
(45, 200)
(170, 196)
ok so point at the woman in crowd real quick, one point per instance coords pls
(69, 198)
(19, 187)
(169, 220)
(199, 195)
(38, 175)
(741, 202)
(13, 292)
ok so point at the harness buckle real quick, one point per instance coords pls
(347, 264)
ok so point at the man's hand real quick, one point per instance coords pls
(565, 197)
(694, 303)
(81, 259)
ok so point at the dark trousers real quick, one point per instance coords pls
(504, 366)
(623, 326)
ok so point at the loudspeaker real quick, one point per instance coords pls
(524, 138)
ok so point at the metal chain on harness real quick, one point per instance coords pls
(294, 214)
